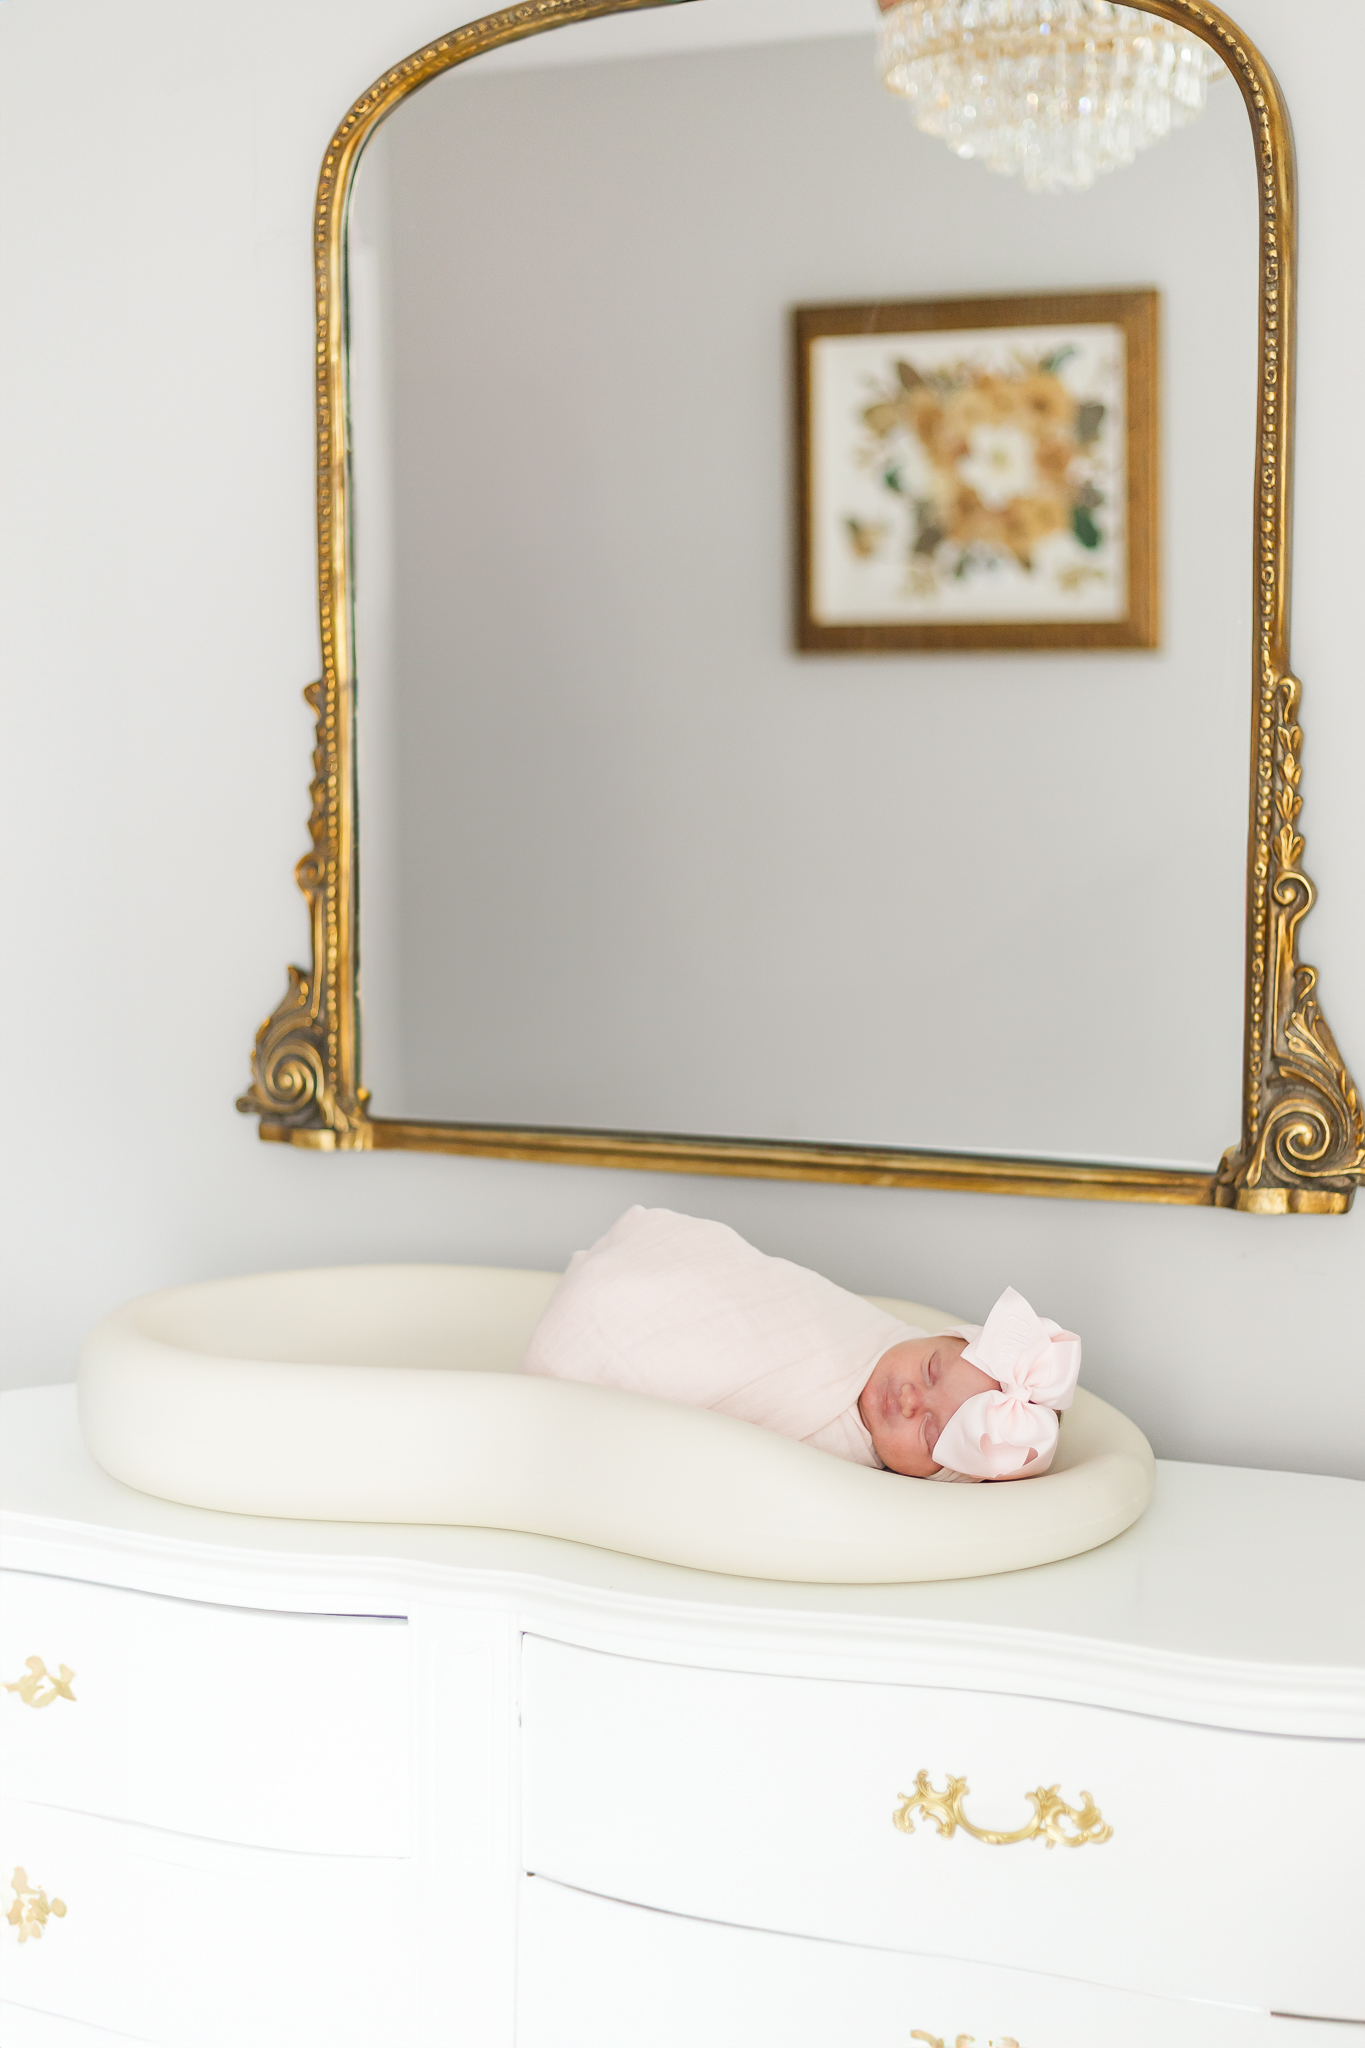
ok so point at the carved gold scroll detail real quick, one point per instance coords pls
(39, 1687)
(1070, 1827)
(1302, 1144)
(31, 1908)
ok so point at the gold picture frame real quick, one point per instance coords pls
(827, 542)
(1302, 1142)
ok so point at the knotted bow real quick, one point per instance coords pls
(1037, 1363)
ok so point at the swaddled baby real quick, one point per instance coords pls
(685, 1310)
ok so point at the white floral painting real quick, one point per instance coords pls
(969, 476)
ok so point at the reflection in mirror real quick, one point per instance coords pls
(629, 861)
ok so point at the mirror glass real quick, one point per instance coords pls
(629, 860)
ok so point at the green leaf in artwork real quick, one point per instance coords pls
(892, 480)
(1049, 365)
(929, 535)
(1089, 420)
(1084, 527)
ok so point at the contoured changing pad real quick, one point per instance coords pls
(391, 1394)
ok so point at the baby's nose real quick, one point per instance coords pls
(909, 1400)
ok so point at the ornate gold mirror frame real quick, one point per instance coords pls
(1302, 1146)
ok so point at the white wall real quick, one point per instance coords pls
(157, 551)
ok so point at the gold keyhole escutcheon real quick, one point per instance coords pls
(1053, 1820)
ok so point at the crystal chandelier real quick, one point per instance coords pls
(1056, 91)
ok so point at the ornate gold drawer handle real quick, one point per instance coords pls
(30, 1688)
(962, 2041)
(1053, 1819)
(32, 1908)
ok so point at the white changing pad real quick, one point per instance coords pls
(391, 1394)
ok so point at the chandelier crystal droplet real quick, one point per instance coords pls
(1054, 91)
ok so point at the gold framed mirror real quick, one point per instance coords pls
(1302, 1141)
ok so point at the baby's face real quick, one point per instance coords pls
(913, 1390)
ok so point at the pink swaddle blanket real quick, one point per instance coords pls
(685, 1310)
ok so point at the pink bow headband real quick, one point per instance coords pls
(1037, 1363)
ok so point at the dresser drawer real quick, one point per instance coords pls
(1233, 1871)
(597, 1974)
(285, 1731)
(199, 1945)
(22, 2027)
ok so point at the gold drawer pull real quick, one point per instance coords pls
(962, 2041)
(30, 1689)
(1053, 1819)
(32, 1908)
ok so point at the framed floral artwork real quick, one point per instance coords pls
(977, 473)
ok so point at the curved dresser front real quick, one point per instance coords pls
(352, 1786)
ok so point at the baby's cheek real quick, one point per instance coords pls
(948, 1406)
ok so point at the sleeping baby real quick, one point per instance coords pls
(685, 1310)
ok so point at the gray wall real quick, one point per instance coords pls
(654, 869)
(157, 551)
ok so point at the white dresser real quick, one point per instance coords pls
(307, 1785)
